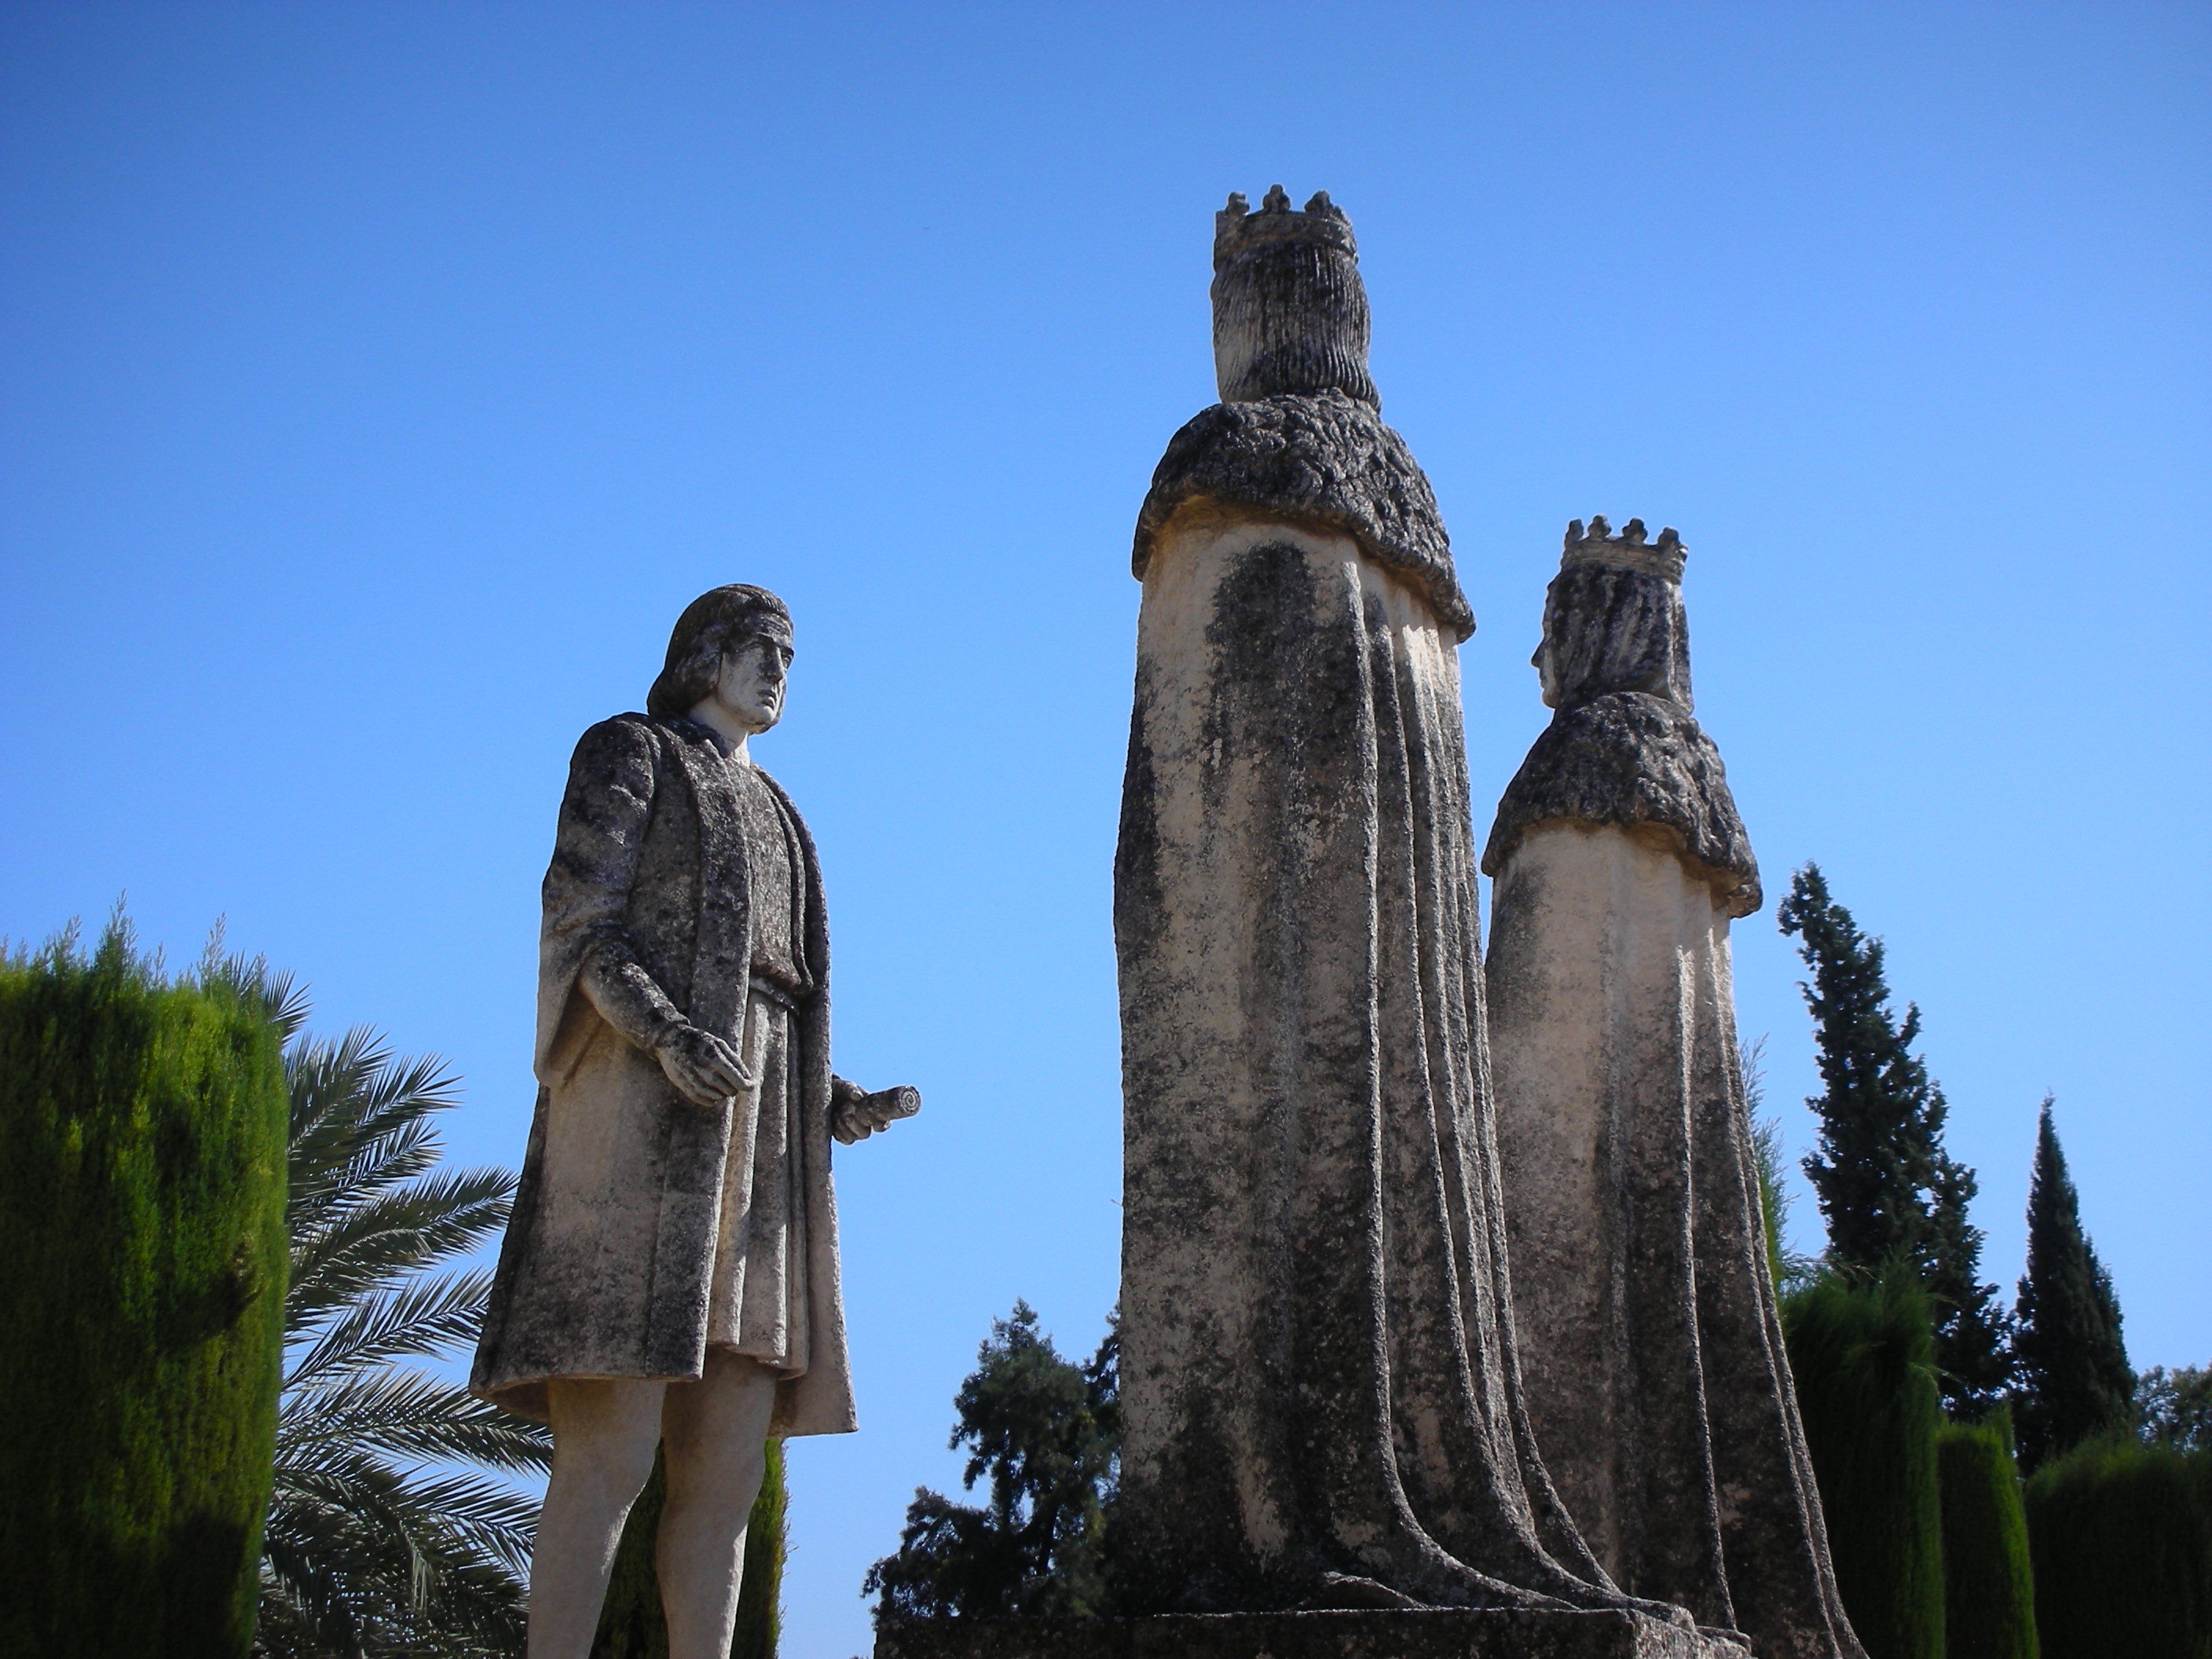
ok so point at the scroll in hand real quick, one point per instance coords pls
(854, 1113)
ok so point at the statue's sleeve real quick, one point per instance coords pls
(585, 945)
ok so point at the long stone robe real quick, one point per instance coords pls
(1651, 1350)
(1320, 1402)
(621, 1236)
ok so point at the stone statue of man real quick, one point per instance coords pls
(670, 1274)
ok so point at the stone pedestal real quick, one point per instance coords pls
(1422, 1633)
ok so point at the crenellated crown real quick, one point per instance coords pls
(1290, 314)
(1237, 231)
(1626, 551)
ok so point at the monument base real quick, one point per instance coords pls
(1395, 1633)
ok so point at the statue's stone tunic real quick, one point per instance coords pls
(757, 1304)
(1651, 1351)
(647, 1228)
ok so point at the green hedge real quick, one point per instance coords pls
(1862, 1358)
(2122, 1538)
(630, 1622)
(1989, 1592)
(142, 1302)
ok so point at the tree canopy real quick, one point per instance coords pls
(1047, 1433)
(1887, 1188)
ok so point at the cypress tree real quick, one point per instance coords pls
(1887, 1188)
(631, 1623)
(1862, 1356)
(142, 1302)
(1989, 1589)
(2074, 1384)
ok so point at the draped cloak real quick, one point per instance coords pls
(1652, 1348)
(1320, 1394)
(609, 1269)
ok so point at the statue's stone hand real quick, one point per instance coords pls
(705, 1070)
(855, 1114)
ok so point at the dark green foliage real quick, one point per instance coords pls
(2072, 1376)
(142, 1227)
(631, 1624)
(1989, 1592)
(768, 1540)
(2174, 1409)
(1048, 1434)
(1861, 1356)
(1886, 1186)
(2122, 1537)
(378, 1544)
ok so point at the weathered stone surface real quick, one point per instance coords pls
(611, 1254)
(1321, 1401)
(1426, 1633)
(1322, 460)
(1651, 1352)
(670, 1270)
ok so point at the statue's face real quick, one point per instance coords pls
(1547, 673)
(750, 689)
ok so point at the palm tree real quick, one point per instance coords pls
(380, 1542)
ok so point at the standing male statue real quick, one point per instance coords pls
(670, 1274)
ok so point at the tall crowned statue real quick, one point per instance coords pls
(1651, 1351)
(1322, 1408)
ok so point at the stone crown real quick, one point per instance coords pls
(1237, 231)
(1626, 551)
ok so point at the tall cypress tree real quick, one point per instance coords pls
(2072, 1368)
(1887, 1188)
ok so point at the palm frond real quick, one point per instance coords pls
(358, 1116)
(377, 1546)
(426, 1316)
(354, 1249)
(406, 1413)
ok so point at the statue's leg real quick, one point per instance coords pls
(604, 1434)
(716, 1434)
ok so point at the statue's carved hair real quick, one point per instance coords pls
(711, 624)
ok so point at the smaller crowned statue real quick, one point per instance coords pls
(1650, 1349)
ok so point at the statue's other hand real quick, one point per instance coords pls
(705, 1070)
(854, 1113)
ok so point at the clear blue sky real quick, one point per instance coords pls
(378, 381)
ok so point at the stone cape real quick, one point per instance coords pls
(606, 1268)
(1322, 460)
(1651, 1346)
(1631, 759)
(1424, 1633)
